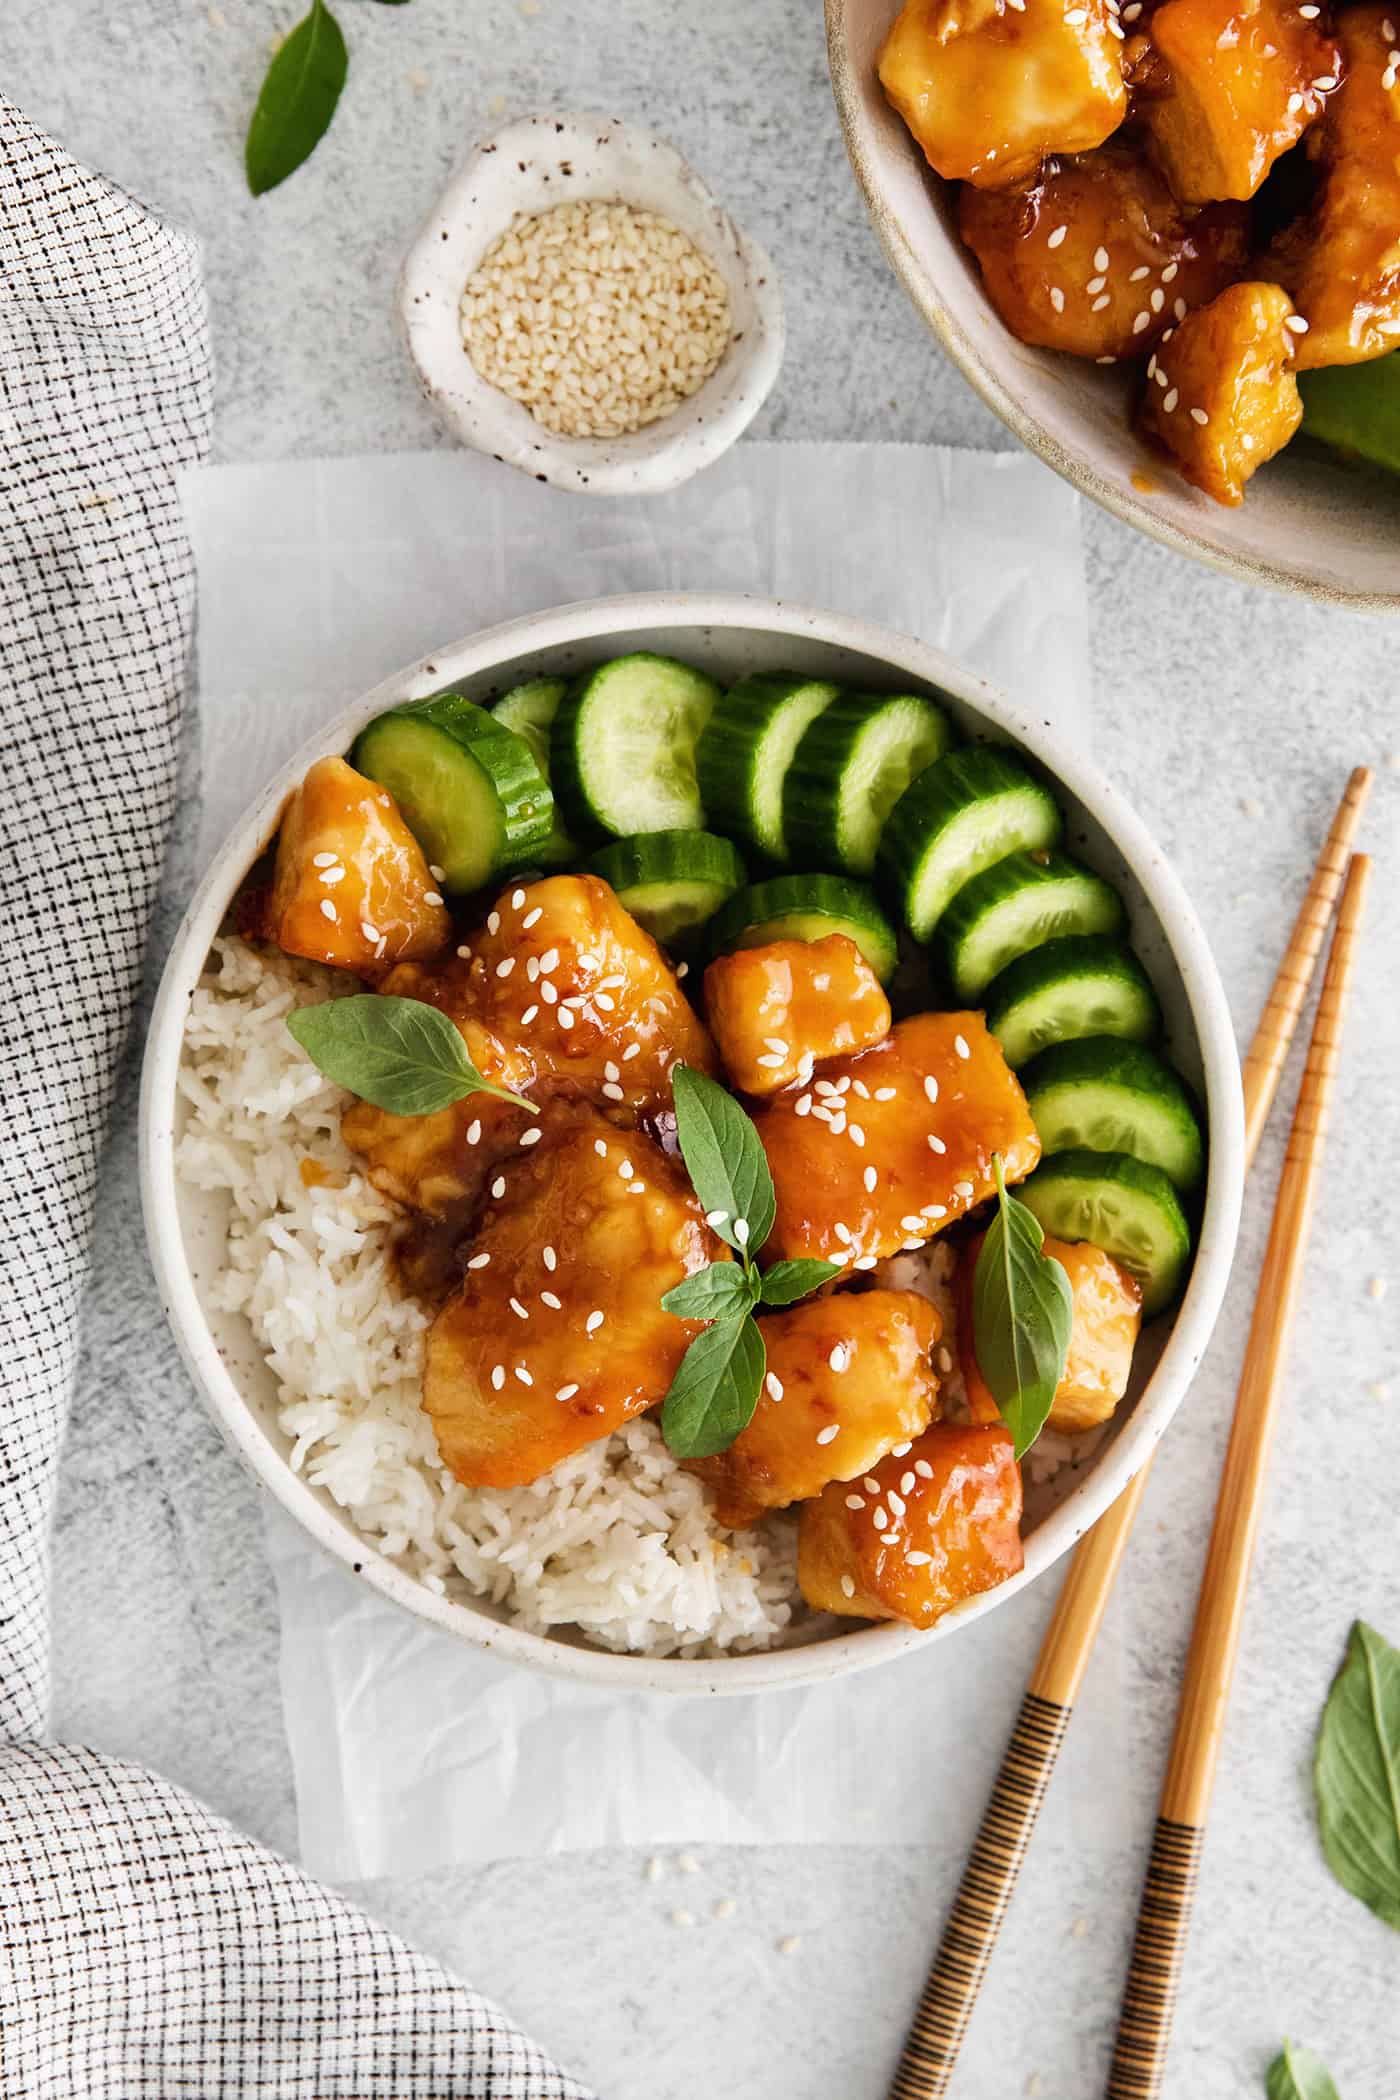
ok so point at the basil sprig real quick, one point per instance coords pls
(716, 1387)
(1022, 1312)
(1297, 2074)
(1356, 1773)
(400, 1054)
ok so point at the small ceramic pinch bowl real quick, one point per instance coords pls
(530, 166)
(729, 637)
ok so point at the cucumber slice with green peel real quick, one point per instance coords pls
(853, 763)
(1016, 905)
(1120, 1204)
(1081, 985)
(807, 908)
(622, 747)
(746, 750)
(529, 710)
(1356, 409)
(671, 881)
(468, 787)
(1100, 1095)
(960, 815)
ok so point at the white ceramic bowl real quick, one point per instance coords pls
(1306, 523)
(531, 165)
(728, 635)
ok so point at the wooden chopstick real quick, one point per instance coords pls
(989, 1880)
(1149, 1997)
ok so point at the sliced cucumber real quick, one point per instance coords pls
(468, 787)
(529, 710)
(746, 750)
(808, 908)
(671, 881)
(854, 762)
(1017, 904)
(1120, 1204)
(963, 813)
(1100, 1095)
(1081, 985)
(622, 748)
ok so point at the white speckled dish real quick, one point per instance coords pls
(1307, 523)
(729, 636)
(527, 167)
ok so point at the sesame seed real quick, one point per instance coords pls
(503, 969)
(549, 1258)
(566, 1018)
(531, 1136)
(848, 1589)
(1096, 284)
(498, 1186)
(1170, 400)
(917, 1560)
(324, 860)
(803, 1107)
(960, 1045)
(523, 1375)
(1141, 321)
(566, 1392)
(464, 953)
(517, 900)
(855, 1133)
(518, 1309)
(548, 1298)
(1057, 236)
(632, 1050)
(855, 1501)
(829, 1434)
(611, 1071)
(636, 1188)
(1170, 272)
(1104, 299)
(479, 1261)
(889, 1538)
(493, 922)
(897, 1503)
(1296, 324)
(871, 1180)
(715, 1218)
(843, 1233)
(328, 911)
(600, 1147)
(774, 1385)
(370, 932)
(612, 1092)
(840, 1357)
(528, 1016)
(837, 1125)
(593, 1323)
(923, 1469)
(498, 1376)
(911, 1224)
(775, 1043)
(432, 896)
(605, 1003)
(1100, 254)
(532, 918)
(1179, 309)
(884, 1093)
(771, 1061)
(741, 1231)
(627, 1170)
(1057, 299)
(865, 1261)
(682, 970)
(1136, 276)
(906, 1482)
(935, 1143)
(1157, 299)
(474, 1131)
(549, 961)
(1198, 415)
(1075, 15)
(963, 1188)
(898, 1450)
(931, 1084)
(879, 1517)
(871, 1484)
(1324, 81)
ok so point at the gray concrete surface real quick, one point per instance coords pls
(1230, 716)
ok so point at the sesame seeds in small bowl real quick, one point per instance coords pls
(580, 307)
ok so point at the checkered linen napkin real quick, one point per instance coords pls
(145, 1948)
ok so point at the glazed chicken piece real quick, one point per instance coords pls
(1106, 1317)
(566, 948)
(1095, 256)
(1341, 262)
(1221, 394)
(779, 1009)
(989, 87)
(926, 1531)
(351, 887)
(441, 1163)
(557, 1336)
(849, 1378)
(889, 1147)
(1243, 80)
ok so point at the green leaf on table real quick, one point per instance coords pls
(1297, 2074)
(723, 1288)
(299, 93)
(725, 1159)
(787, 1281)
(715, 1390)
(400, 1054)
(1356, 1773)
(1022, 1312)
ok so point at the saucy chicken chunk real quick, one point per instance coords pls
(1221, 393)
(1341, 262)
(440, 1163)
(350, 886)
(557, 1336)
(1106, 1316)
(1094, 255)
(989, 87)
(925, 1531)
(848, 1377)
(1243, 80)
(890, 1146)
(778, 1009)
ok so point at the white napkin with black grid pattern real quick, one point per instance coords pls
(145, 1947)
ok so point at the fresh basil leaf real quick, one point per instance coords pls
(725, 1287)
(787, 1281)
(1022, 1312)
(298, 99)
(715, 1390)
(1297, 2074)
(1356, 1773)
(725, 1159)
(400, 1054)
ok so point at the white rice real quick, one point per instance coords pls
(619, 1540)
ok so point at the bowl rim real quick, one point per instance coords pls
(659, 456)
(599, 620)
(1121, 501)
